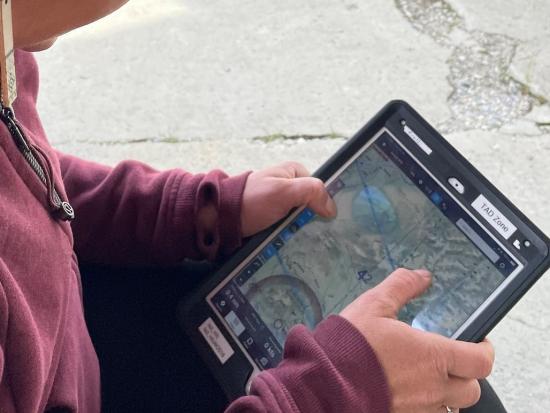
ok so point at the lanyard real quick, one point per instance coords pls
(8, 92)
(8, 86)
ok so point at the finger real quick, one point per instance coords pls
(469, 360)
(398, 289)
(462, 393)
(311, 192)
(294, 169)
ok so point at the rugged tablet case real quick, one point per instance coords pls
(235, 372)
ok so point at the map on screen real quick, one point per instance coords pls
(385, 220)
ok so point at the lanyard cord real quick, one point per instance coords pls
(34, 156)
(8, 84)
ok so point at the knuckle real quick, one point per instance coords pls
(292, 166)
(407, 277)
(317, 186)
(486, 365)
(288, 164)
(372, 296)
(377, 301)
(385, 307)
(401, 272)
(439, 360)
(434, 396)
(473, 393)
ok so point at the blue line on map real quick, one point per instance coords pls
(378, 225)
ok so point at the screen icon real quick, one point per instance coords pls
(286, 234)
(235, 323)
(364, 276)
(436, 198)
(517, 244)
(278, 242)
(269, 252)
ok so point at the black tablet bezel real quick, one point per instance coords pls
(235, 373)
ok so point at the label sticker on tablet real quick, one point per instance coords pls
(216, 340)
(494, 217)
(416, 139)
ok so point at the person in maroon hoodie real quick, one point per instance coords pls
(363, 360)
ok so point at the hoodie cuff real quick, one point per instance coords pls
(229, 213)
(218, 213)
(332, 369)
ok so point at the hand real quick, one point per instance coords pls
(425, 371)
(270, 194)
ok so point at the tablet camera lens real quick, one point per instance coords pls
(403, 122)
(526, 243)
(457, 185)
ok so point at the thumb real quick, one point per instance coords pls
(398, 289)
(311, 192)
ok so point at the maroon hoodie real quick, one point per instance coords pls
(132, 214)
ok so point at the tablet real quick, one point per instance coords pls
(405, 198)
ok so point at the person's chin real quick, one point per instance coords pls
(43, 45)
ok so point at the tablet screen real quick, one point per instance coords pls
(391, 213)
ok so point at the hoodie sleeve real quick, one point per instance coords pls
(3, 329)
(332, 369)
(133, 214)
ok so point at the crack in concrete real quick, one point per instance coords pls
(283, 137)
(276, 137)
(166, 139)
(484, 93)
(525, 135)
(527, 324)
